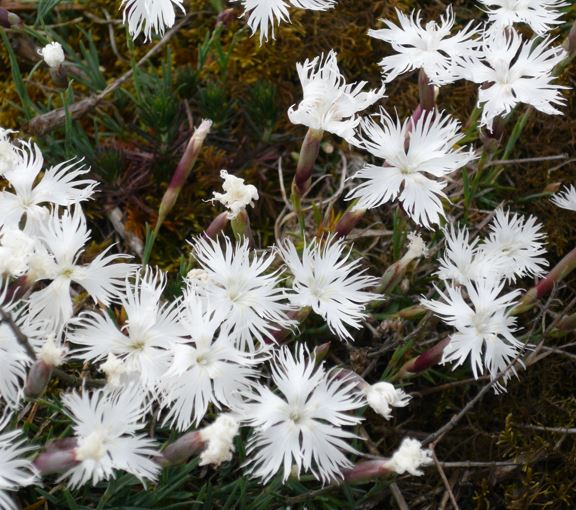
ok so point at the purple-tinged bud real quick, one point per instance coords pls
(320, 352)
(9, 19)
(217, 225)
(570, 42)
(183, 170)
(226, 17)
(544, 286)
(282, 333)
(348, 221)
(183, 448)
(308, 155)
(38, 379)
(426, 91)
(58, 457)
(426, 360)
(368, 470)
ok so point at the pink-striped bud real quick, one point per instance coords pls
(426, 360)
(368, 470)
(183, 448)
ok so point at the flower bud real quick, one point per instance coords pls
(308, 154)
(37, 379)
(9, 19)
(183, 448)
(383, 395)
(368, 470)
(53, 55)
(320, 352)
(183, 170)
(348, 221)
(427, 359)
(58, 457)
(217, 225)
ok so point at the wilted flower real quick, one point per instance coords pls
(409, 458)
(150, 16)
(106, 427)
(540, 15)
(219, 439)
(513, 71)
(566, 199)
(382, 396)
(53, 55)
(326, 280)
(237, 195)
(429, 47)
(15, 470)
(330, 104)
(411, 153)
(303, 424)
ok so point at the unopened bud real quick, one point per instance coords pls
(426, 91)
(183, 448)
(58, 457)
(395, 273)
(426, 360)
(183, 170)
(217, 225)
(9, 19)
(241, 227)
(38, 379)
(320, 352)
(308, 155)
(368, 470)
(348, 221)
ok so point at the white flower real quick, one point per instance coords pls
(9, 155)
(484, 329)
(464, 260)
(117, 375)
(383, 395)
(208, 369)
(53, 352)
(329, 103)
(427, 47)
(410, 457)
(145, 342)
(220, 438)
(540, 15)
(106, 427)
(513, 71)
(65, 237)
(303, 424)
(15, 470)
(263, 15)
(53, 55)
(150, 16)
(328, 282)
(416, 159)
(238, 195)
(16, 250)
(59, 185)
(240, 287)
(518, 243)
(566, 199)
(13, 357)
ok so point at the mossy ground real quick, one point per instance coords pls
(133, 140)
